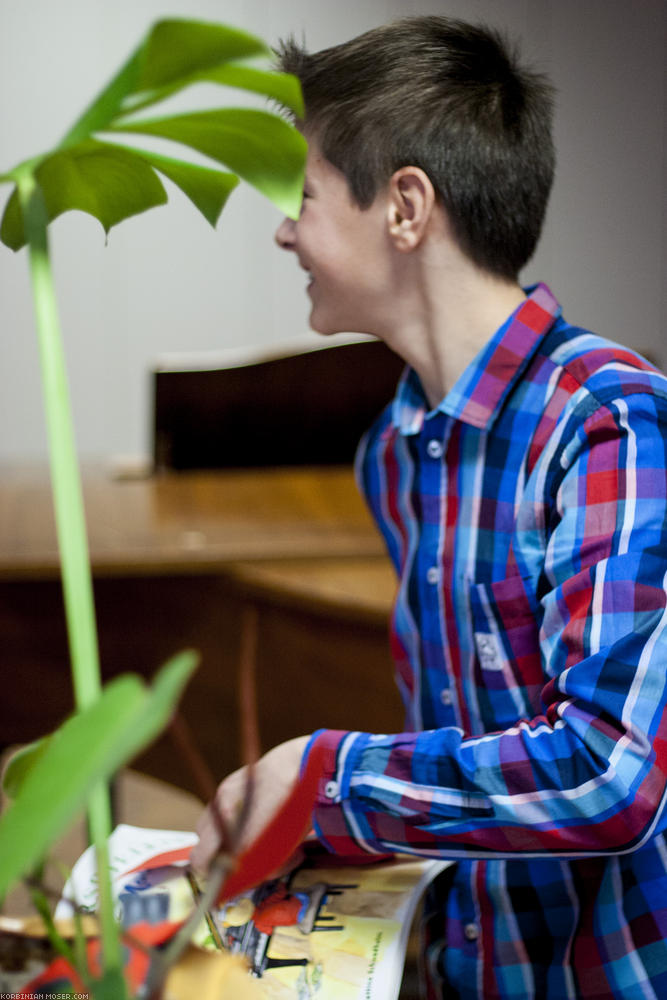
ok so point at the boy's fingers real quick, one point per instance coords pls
(215, 824)
(274, 776)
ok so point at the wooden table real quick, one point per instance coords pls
(187, 521)
(176, 560)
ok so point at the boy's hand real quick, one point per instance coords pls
(275, 774)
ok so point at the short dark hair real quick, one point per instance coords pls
(451, 98)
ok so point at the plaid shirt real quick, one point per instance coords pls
(527, 520)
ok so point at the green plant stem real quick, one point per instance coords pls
(65, 480)
(99, 821)
(71, 530)
(169, 956)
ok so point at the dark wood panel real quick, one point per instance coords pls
(320, 403)
(311, 671)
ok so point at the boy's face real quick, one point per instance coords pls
(343, 248)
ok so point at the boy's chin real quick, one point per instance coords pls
(319, 325)
(327, 328)
(326, 332)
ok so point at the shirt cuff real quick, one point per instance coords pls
(333, 818)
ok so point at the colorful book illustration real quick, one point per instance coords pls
(324, 930)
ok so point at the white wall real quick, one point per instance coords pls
(167, 282)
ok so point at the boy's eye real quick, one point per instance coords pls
(306, 194)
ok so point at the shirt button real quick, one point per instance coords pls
(435, 448)
(446, 696)
(471, 932)
(433, 574)
(331, 789)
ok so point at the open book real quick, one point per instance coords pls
(324, 931)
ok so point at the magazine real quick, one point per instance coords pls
(323, 930)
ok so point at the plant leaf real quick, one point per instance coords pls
(160, 700)
(89, 747)
(110, 986)
(173, 48)
(176, 47)
(207, 188)
(109, 182)
(113, 183)
(281, 87)
(264, 150)
(20, 764)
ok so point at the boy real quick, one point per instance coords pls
(519, 480)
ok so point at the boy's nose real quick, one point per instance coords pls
(285, 234)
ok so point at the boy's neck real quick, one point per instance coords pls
(445, 317)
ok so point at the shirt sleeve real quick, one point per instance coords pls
(587, 773)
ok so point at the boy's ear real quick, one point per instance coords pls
(410, 205)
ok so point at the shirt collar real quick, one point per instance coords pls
(478, 393)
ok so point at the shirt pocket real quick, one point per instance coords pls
(508, 672)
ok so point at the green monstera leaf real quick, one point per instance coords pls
(112, 181)
(52, 779)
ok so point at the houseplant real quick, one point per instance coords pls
(94, 171)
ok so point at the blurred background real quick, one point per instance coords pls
(166, 282)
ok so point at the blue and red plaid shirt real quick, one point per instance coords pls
(526, 517)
